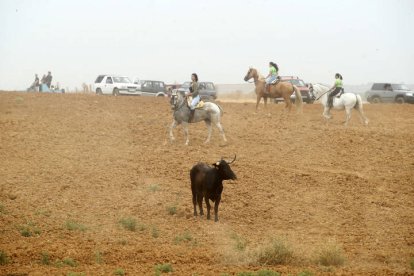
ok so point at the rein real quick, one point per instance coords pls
(322, 95)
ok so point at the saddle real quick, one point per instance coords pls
(200, 104)
(274, 82)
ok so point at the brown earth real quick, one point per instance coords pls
(94, 160)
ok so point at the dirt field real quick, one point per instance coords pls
(73, 166)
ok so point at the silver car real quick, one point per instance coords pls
(389, 93)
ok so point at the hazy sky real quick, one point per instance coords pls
(366, 41)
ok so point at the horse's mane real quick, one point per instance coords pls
(260, 76)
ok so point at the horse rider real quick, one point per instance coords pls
(336, 88)
(273, 74)
(195, 94)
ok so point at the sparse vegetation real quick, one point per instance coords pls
(240, 243)
(154, 187)
(172, 210)
(4, 259)
(185, 237)
(305, 273)
(2, 209)
(129, 224)
(70, 262)
(45, 213)
(76, 274)
(331, 255)
(154, 232)
(275, 253)
(259, 273)
(45, 258)
(119, 272)
(412, 263)
(99, 257)
(163, 268)
(29, 229)
(75, 226)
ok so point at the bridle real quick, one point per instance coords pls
(174, 100)
(254, 79)
(320, 95)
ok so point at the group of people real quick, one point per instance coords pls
(43, 85)
(336, 89)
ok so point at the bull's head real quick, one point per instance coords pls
(224, 169)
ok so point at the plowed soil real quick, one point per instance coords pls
(72, 166)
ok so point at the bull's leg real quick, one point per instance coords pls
(173, 125)
(200, 204)
(208, 207)
(208, 124)
(216, 205)
(195, 203)
(220, 127)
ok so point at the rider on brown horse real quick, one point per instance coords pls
(272, 77)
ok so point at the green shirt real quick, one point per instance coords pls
(194, 86)
(338, 83)
(273, 70)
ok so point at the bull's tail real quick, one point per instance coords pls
(298, 100)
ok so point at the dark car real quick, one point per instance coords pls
(207, 90)
(389, 93)
(301, 85)
(152, 88)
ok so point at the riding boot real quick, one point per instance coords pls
(191, 117)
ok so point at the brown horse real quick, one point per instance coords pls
(281, 89)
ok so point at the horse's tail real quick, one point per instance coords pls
(298, 100)
(221, 109)
(358, 104)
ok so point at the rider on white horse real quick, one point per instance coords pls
(195, 94)
(336, 89)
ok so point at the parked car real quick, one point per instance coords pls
(301, 85)
(114, 85)
(389, 93)
(207, 90)
(152, 88)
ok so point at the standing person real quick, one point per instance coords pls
(336, 88)
(42, 82)
(49, 79)
(36, 83)
(195, 94)
(273, 73)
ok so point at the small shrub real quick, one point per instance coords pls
(99, 257)
(163, 268)
(240, 242)
(154, 187)
(172, 210)
(4, 259)
(29, 229)
(185, 237)
(75, 226)
(244, 273)
(277, 252)
(305, 273)
(45, 258)
(154, 232)
(129, 224)
(2, 209)
(76, 274)
(412, 263)
(267, 273)
(331, 255)
(69, 262)
(119, 272)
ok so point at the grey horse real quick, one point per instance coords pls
(209, 113)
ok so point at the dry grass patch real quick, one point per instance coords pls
(330, 255)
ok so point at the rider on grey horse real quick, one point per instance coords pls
(195, 94)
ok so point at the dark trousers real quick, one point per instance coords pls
(333, 94)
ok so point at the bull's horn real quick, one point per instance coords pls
(232, 160)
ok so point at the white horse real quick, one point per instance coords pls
(346, 101)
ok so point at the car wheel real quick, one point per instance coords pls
(115, 92)
(98, 91)
(376, 100)
(160, 95)
(400, 100)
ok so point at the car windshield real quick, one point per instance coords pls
(400, 87)
(187, 84)
(208, 86)
(297, 82)
(121, 80)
